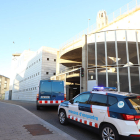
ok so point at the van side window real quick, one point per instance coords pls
(112, 100)
(83, 98)
(98, 99)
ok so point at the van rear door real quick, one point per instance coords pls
(45, 90)
(57, 90)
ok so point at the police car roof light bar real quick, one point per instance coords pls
(104, 88)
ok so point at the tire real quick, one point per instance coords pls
(108, 132)
(38, 107)
(62, 117)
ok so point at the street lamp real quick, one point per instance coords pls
(88, 25)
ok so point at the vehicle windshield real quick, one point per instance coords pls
(135, 102)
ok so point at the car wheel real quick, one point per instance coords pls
(62, 117)
(38, 107)
(108, 132)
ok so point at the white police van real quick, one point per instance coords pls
(114, 115)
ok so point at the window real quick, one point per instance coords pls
(54, 60)
(53, 73)
(134, 103)
(47, 72)
(30, 77)
(39, 59)
(112, 100)
(58, 86)
(45, 87)
(102, 15)
(82, 98)
(34, 75)
(38, 73)
(47, 59)
(98, 99)
(35, 88)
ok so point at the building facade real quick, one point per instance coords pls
(4, 86)
(109, 54)
(28, 69)
(114, 59)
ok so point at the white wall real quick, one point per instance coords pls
(28, 75)
(91, 84)
(48, 65)
(130, 22)
(7, 95)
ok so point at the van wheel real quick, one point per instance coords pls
(38, 107)
(62, 117)
(108, 132)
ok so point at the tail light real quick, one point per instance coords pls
(64, 96)
(135, 135)
(37, 97)
(130, 117)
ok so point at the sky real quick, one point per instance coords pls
(47, 23)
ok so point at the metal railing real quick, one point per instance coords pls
(70, 68)
(111, 17)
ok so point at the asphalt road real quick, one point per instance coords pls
(49, 114)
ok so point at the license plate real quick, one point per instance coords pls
(45, 97)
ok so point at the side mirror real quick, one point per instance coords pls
(71, 101)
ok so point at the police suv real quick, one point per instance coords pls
(110, 113)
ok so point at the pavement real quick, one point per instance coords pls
(17, 123)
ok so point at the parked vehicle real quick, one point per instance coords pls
(50, 93)
(114, 115)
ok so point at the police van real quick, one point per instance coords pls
(50, 93)
(114, 115)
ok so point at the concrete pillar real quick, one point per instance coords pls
(57, 63)
(84, 64)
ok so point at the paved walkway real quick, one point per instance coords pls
(17, 123)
